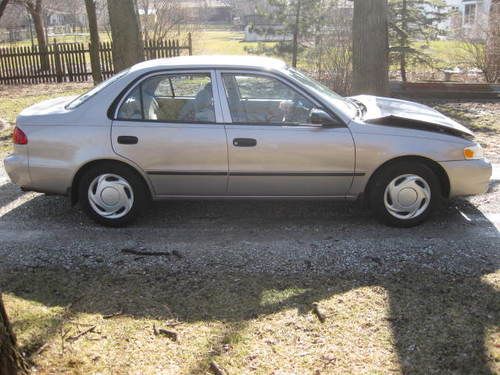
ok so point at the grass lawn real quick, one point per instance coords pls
(221, 42)
(93, 321)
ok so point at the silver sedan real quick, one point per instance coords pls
(240, 127)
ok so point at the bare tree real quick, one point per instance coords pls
(493, 43)
(128, 48)
(370, 47)
(483, 53)
(3, 5)
(332, 48)
(11, 362)
(160, 18)
(35, 10)
(94, 41)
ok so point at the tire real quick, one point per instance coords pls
(404, 194)
(112, 194)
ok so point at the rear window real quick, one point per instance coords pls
(84, 97)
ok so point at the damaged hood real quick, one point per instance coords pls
(401, 113)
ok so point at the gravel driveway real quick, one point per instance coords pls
(275, 237)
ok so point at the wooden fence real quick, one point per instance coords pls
(70, 62)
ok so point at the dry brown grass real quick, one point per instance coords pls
(411, 322)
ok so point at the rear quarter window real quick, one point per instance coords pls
(89, 94)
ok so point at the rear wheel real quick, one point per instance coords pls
(112, 194)
(404, 193)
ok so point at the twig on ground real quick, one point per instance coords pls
(146, 253)
(318, 312)
(216, 369)
(109, 316)
(177, 254)
(41, 348)
(170, 334)
(79, 323)
(172, 324)
(81, 334)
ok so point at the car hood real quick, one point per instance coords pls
(401, 113)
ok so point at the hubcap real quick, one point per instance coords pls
(111, 196)
(407, 196)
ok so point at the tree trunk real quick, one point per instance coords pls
(128, 48)
(404, 41)
(3, 5)
(11, 361)
(493, 44)
(402, 66)
(35, 11)
(370, 48)
(95, 61)
(295, 42)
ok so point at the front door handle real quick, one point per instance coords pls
(127, 140)
(244, 142)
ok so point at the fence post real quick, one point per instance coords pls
(57, 61)
(190, 44)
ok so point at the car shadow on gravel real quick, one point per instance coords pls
(439, 315)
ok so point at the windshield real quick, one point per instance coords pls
(84, 97)
(338, 101)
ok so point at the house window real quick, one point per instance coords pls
(469, 14)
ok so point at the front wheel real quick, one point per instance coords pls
(112, 194)
(404, 194)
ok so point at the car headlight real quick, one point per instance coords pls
(473, 152)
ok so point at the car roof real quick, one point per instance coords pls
(213, 61)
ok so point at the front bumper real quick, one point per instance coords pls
(16, 166)
(468, 177)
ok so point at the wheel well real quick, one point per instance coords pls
(434, 166)
(93, 164)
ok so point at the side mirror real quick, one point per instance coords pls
(320, 117)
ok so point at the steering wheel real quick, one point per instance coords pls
(292, 109)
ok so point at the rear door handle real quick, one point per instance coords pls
(244, 142)
(127, 140)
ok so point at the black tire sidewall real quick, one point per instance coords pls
(135, 181)
(390, 172)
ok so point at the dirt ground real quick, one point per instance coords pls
(237, 283)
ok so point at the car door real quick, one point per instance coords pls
(272, 147)
(167, 125)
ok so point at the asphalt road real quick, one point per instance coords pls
(269, 237)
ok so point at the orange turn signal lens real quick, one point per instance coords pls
(468, 153)
(473, 152)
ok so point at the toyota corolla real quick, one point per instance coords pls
(240, 127)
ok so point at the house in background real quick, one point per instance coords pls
(206, 11)
(469, 18)
(258, 28)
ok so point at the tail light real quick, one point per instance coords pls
(18, 137)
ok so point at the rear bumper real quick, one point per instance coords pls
(16, 166)
(468, 177)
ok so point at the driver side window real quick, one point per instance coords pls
(258, 99)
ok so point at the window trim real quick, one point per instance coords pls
(292, 85)
(470, 16)
(138, 82)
